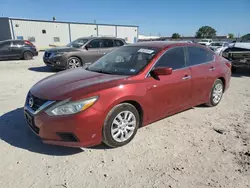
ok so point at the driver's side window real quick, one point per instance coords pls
(173, 58)
(94, 43)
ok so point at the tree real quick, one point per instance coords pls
(176, 36)
(231, 35)
(205, 32)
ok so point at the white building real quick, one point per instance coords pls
(48, 33)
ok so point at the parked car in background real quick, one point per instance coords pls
(218, 46)
(239, 53)
(205, 42)
(17, 49)
(128, 88)
(80, 51)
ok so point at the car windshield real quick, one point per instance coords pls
(126, 60)
(216, 44)
(78, 43)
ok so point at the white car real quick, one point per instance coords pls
(205, 42)
(218, 47)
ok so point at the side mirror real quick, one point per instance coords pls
(161, 71)
(86, 47)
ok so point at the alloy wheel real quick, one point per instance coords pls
(123, 126)
(74, 63)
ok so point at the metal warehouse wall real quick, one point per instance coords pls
(82, 30)
(106, 30)
(130, 34)
(46, 33)
(42, 34)
(5, 31)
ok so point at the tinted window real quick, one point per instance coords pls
(107, 43)
(173, 58)
(78, 43)
(94, 43)
(226, 44)
(17, 43)
(118, 43)
(5, 45)
(199, 55)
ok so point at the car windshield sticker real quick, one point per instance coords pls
(132, 70)
(147, 51)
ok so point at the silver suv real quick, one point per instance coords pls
(80, 51)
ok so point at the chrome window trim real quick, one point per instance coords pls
(186, 60)
(45, 105)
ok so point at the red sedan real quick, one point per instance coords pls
(127, 88)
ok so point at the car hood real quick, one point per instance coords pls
(73, 83)
(62, 49)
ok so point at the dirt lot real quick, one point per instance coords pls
(201, 147)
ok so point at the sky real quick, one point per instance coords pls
(154, 17)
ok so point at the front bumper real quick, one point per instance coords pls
(58, 62)
(80, 130)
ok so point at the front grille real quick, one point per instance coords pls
(37, 102)
(68, 137)
(30, 121)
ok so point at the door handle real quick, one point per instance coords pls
(212, 69)
(186, 77)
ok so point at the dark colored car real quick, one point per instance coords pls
(239, 53)
(17, 49)
(128, 88)
(81, 51)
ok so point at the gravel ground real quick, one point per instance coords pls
(201, 147)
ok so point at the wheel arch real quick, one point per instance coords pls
(223, 81)
(78, 57)
(22, 55)
(138, 107)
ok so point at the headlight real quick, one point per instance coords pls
(58, 54)
(68, 107)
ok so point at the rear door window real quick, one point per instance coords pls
(197, 55)
(173, 58)
(17, 43)
(107, 43)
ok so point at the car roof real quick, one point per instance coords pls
(100, 37)
(12, 40)
(158, 44)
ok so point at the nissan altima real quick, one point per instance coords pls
(128, 88)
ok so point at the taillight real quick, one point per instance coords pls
(229, 64)
(29, 43)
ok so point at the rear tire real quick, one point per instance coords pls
(27, 55)
(121, 125)
(216, 93)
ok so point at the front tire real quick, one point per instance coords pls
(73, 62)
(216, 93)
(27, 55)
(121, 125)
